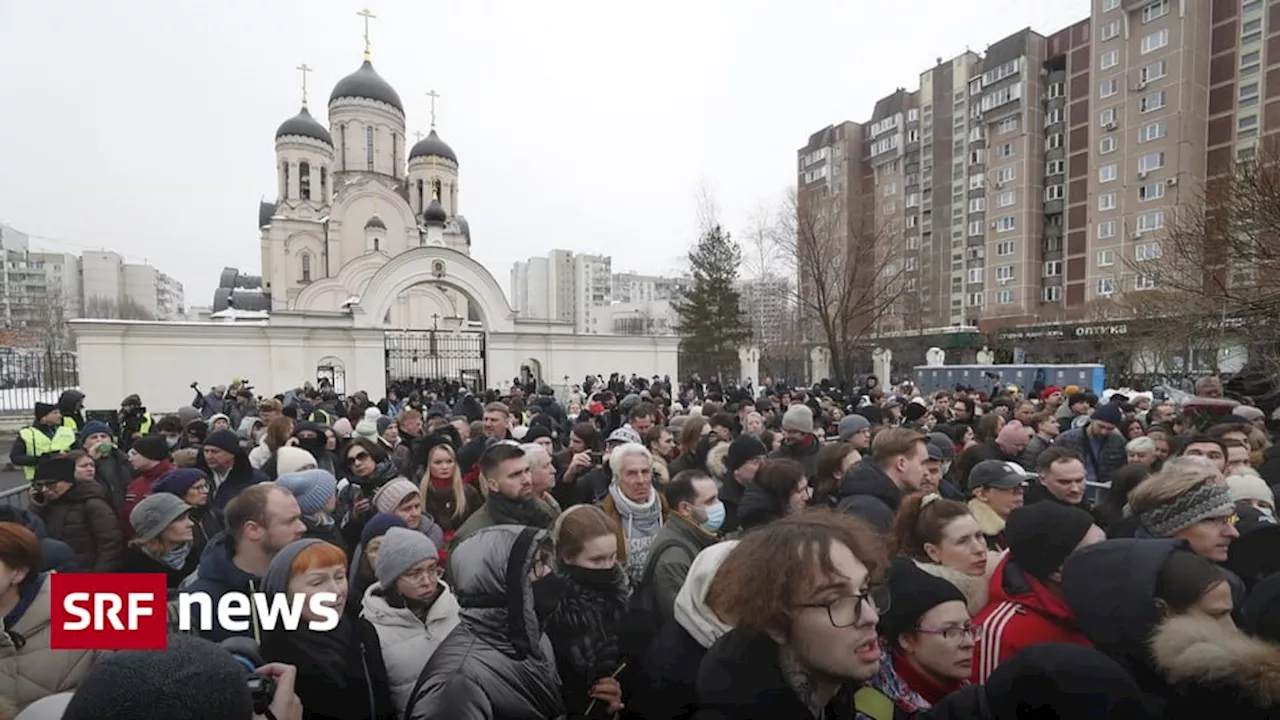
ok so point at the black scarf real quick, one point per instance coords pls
(516, 512)
(584, 632)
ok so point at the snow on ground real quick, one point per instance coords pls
(23, 400)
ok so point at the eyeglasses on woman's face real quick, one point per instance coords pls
(953, 633)
(844, 612)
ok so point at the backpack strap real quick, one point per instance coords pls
(873, 703)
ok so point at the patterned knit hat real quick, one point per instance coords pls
(1202, 502)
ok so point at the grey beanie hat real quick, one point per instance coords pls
(276, 578)
(154, 513)
(798, 418)
(1202, 502)
(401, 549)
(851, 425)
(191, 679)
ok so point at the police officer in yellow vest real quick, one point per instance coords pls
(71, 405)
(48, 436)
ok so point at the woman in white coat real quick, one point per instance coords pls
(409, 611)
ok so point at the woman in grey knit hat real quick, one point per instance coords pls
(1187, 499)
(164, 539)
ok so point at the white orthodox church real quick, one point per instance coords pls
(354, 195)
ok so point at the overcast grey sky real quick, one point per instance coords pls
(147, 126)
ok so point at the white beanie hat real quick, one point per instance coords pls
(1250, 487)
(368, 425)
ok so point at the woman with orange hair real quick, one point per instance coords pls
(341, 676)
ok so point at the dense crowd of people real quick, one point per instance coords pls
(638, 548)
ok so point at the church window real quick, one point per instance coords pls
(304, 180)
(421, 204)
(377, 243)
(343, 132)
(368, 146)
(284, 179)
(324, 184)
(306, 267)
(435, 190)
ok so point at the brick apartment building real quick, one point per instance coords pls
(1021, 185)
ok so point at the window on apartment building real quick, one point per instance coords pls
(977, 204)
(1153, 131)
(913, 135)
(1053, 141)
(912, 220)
(1053, 117)
(1056, 90)
(1004, 273)
(1144, 282)
(1004, 297)
(1006, 198)
(1250, 64)
(1109, 59)
(1107, 88)
(1106, 258)
(977, 157)
(1055, 167)
(890, 188)
(1053, 293)
(913, 242)
(1006, 175)
(1107, 117)
(1107, 173)
(975, 275)
(1110, 30)
(1154, 71)
(1247, 121)
(913, 114)
(1146, 251)
(1154, 191)
(1106, 286)
(1054, 192)
(1007, 125)
(1107, 144)
(1106, 229)
(1106, 201)
(975, 299)
(1154, 41)
(1005, 224)
(1052, 268)
(1152, 101)
(1157, 9)
(912, 264)
(975, 228)
(1150, 221)
(1004, 248)
(913, 200)
(977, 181)
(1151, 162)
(1006, 150)
(1250, 6)
(1251, 26)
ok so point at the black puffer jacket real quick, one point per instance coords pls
(497, 664)
(866, 491)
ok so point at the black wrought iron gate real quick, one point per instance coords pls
(442, 355)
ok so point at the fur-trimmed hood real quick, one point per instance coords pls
(716, 458)
(1216, 669)
(975, 587)
(991, 523)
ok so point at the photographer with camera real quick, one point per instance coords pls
(132, 422)
(192, 679)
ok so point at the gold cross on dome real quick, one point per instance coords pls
(304, 69)
(433, 95)
(368, 15)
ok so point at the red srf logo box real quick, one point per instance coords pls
(108, 611)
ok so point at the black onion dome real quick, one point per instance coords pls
(266, 211)
(375, 222)
(435, 213)
(433, 146)
(464, 227)
(368, 84)
(306, 126)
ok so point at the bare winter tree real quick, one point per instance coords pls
(1213, 270)
(52, 331)
(850, 275)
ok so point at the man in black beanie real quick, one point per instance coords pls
(1026, 606)
(46, 436)
(740, 465)
(192, 679)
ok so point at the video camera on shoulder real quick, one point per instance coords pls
(262, 688)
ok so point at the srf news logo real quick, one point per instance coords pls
(129, 611)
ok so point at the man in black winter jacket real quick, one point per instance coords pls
(874, 487)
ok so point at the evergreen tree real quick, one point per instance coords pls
(712, 325)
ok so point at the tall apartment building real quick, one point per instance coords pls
(593, 293)
(565, 287)
(1016, 184)
(630, 287)
(110, 287)
(767, 302)
(23, 283)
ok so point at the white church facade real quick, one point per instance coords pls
(366, 259)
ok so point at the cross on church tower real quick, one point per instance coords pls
(433, 95)
(304, 69)
(417, 135)
(367, 15)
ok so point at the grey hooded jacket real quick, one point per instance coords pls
(497, 664)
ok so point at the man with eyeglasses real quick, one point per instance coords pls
(805, 642)
(1026, 606)
(930, 639)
